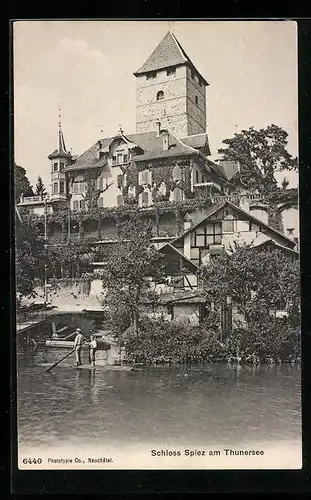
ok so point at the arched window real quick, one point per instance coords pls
(160, 95)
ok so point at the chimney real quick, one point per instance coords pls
(165, 139)
(158, 127)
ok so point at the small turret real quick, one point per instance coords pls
(60, 158)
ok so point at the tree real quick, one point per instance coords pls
(127, 272)
(29, 258)
(259, 283)
(257, 280)
(40, 189)
(21, 183)
(260, 153)
(93, 191)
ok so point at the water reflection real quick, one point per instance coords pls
(196, 404)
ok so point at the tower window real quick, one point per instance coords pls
(61, 166)
(196, 99)
(55, 167)
(160, 95)
(171, 71)
(55, 188)
(152, 74)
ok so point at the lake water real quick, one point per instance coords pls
(213, 405)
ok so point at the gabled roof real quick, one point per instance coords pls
(216, 207)
(168, 53)
(146, 141)
(269, 243)
(191, 264)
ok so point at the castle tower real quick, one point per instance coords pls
(60, 158)
(170, 90)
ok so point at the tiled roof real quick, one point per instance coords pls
(168, 53)
(151, 145)
(198, 141)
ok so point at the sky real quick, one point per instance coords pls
(87, 67)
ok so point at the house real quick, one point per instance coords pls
(222, 227)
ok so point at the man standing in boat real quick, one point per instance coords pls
(79, 340)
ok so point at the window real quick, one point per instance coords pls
(177, 173)
(119, 200)
(82, 204)
(207, 235)
(78, 187)
(160, 95)
(61, 166)
(62, 187)
(55, 167)
(55, 188)
(228, 226)
(114, 160)
(254, 227)
(151, 74)
(197, 177)
(171, 71)
(100, 202)
(144, 199)
(125, 158)
(196, 99)
(100, 183)
(75, 205)
(144, 177)
(119, 158)
(178, 194)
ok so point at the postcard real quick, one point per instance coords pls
(157, 245)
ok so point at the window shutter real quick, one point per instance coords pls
(144, 198)
(177, 173)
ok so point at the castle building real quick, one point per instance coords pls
(164, 167)
(165, 163)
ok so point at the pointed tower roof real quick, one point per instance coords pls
(168, 53)
(61, 151)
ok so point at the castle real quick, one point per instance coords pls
(164, 167)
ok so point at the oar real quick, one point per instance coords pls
(57, 362)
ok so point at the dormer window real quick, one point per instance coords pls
(171, 71)
(151, 74)
(160, 95)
